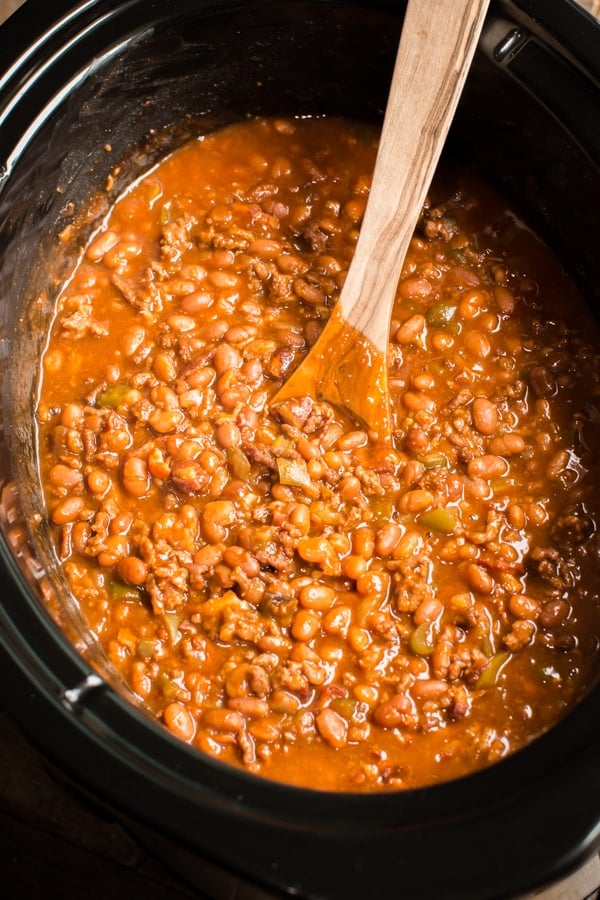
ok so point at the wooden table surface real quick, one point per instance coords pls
(54, 845)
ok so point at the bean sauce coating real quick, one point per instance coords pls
(280, 592)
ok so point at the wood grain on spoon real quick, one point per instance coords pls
(347, 366)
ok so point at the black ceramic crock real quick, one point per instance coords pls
(84, 87)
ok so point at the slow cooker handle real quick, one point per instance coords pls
(523, 47)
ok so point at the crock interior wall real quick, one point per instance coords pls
(306, 63)
(162, 84)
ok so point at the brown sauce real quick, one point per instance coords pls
(278, 593)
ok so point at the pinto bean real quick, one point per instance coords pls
(68, 510)
(136, 478)
(479, 579)
(179, 721)
(410, 330)
(332, 727)
(487, 466)
(485, 416)
(509, 444)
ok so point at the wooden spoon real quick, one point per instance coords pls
(347, 366)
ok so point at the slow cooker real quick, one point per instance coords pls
(90, 96)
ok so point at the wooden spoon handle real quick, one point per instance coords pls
(437, 44)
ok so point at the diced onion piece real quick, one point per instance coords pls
(293, 472)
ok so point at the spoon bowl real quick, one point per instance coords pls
(347, 366)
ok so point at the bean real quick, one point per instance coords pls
(416, 401)
(164, 397)
(72, 415)
(99, 482)
(441, 658)
(363, 542)
(472, 303)
(427, 611)
(542, 381)
(553, 613)
(101, 245)
(509, 444)
(64, 476)
(252, 370)
(524, 607)
(475, 488)
(196, 302)
(477, 343)
(352, 440)
(415, 288)
(359, 639)
(337, 620)
(234, 396)
(223, 720)
(536, 513)
(265, 248)
(181, 323)
(392, 712)
(253, 707)
(228, 435)
(557, 465)
(353, 566)
(306, 625)
(350, 488)
(332, 727)
(355, 209)
(315, 549)
(374, 582)
(516, 516)
(485, 415)
(166, 421)
(133, 570)
(119, 255)
(136, 478)
(429, 688)
(409, 544)
(290, 264)
(487, 467)
(505, 300)
(226, 357)
(387, 538)
(221, 279)
(442, 342)
(54, 360)
(239, 334)
(80, 535)
(366, 693)
(417, 500)
(164, 367)
(121, 523)
(141, 681)
(217, 517)
(115, 548)
(133, 340)
(423, 381)
(179, 721)
(462, 277)
(310, 293)
(209, 556)
(68, 510)
(317, 596)
(479, 579)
